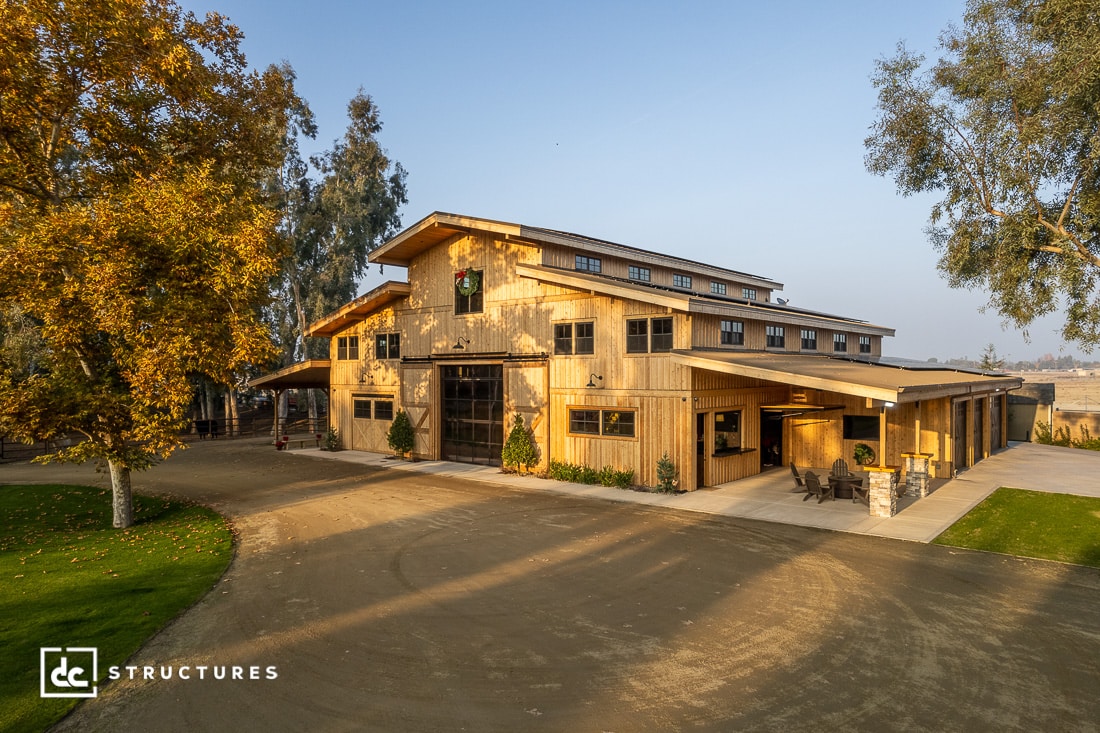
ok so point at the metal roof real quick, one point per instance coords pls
(874, 380)
(305, 374)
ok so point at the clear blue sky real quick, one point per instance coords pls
(725, 132)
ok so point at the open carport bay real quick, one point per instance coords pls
(398, 601)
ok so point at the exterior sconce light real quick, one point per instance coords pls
(462, 343)
(592, 378)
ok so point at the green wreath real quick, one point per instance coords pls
(467, 282)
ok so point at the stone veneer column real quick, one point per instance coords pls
(883, 495)
(916, 473)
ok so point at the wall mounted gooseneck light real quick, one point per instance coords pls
(592, 378)
(462, 343)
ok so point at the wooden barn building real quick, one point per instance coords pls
(615, 356)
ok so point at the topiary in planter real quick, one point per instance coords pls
(519, 450)
(401, 436)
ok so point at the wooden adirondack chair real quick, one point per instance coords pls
(814, 488)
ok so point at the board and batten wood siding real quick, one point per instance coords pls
(724, 393)
(563, 257)
(514, 319)
(526, 386)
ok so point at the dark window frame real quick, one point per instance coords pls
(372, 407)
(840, 340)
(584, 344)
(347, 348)
(808, 339)
(749, 293)
(603, 422)
(680, 280)
(865, 344)
(717, 288)
(584, 263)
(619, 423)
(563, 339)
(734, 335)
(583, 421)
(776, 337)
(387, 346)
(660, 341)
(639, 273)
(475, 301)
(638, 341)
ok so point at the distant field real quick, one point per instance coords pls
(1070, 392)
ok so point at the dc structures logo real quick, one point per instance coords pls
(69, 671)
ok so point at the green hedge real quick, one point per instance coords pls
(606, 476)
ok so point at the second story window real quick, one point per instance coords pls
(865, 344)
(718, 288)
(661, 334)
(648, 335)
(681, 281)
(637, 336)
(469, 291)
(574, 338)
(777, 337)
(584, 338)
(748, 293)
(641, 274)
(347, 347)
(809, 339)
(840, 343)
(387, 346)
(584, 263)
(733, 333)
(563, 338)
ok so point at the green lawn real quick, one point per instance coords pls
(69, 579)
(1031, 524)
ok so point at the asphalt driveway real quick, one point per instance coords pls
(396, 601)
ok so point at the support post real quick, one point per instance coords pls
(916, 473)
(882, 494)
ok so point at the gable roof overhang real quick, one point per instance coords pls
(358, 309)
(694, 303)
(439, 226)
(876, 381)
(310, 374)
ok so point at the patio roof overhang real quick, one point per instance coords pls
(876, 381)
(311, 374)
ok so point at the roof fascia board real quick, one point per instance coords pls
(778, 315)
(453, 223)
(383, 294)
(801, 380)
(596, 284)
(645, 256)
(936, 391)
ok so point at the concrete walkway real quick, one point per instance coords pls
(770, 497)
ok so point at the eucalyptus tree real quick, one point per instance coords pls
(1005, 127)
(334, 215)
(133, 232)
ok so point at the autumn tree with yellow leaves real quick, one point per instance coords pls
(133, 234)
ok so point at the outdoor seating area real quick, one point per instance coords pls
(837, 482)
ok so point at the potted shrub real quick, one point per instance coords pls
(864, 454)
(519, 450)
(401, 436)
